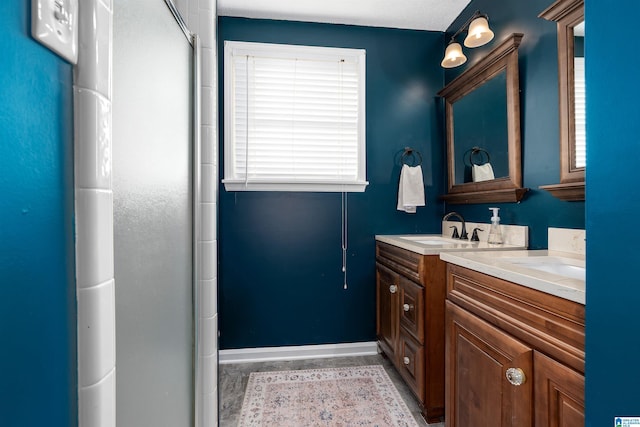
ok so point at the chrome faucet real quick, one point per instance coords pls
(463, 232)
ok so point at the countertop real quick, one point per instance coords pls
(411, 242)
(512, 266)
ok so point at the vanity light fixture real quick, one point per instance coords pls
(478, 34)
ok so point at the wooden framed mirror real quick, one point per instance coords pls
(482, 111)
(569, 18)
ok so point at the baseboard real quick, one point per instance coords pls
(265, 354)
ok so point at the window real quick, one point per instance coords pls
(294, 118)
(579, 110)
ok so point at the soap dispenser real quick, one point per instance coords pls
(495, 235)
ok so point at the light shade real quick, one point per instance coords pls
(479, 33)
(453, 56)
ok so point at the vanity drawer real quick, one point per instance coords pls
(407, 263)
(551, 324)
(411, 364)
(412, 308)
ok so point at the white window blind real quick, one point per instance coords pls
(294, 118)
(580, 112)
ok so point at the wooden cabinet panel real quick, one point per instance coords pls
(407, 263)
(411, 358)
(412, 308)
(559, 394)
(478, 357)
(547, 322)
(387, 287)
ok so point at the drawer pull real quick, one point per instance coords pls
(393, 289)
(406, 307)
(516, 376)
(406, 360)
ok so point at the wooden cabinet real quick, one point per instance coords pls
(410, 291)
(515, 356)
(478, 356)
(559, 394)
(387, 308)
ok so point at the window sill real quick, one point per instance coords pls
(346, 187)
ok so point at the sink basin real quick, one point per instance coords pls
(433, 242)
(436, 240)
(550, 264)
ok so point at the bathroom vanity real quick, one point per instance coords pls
(514, 339)
(410, 306)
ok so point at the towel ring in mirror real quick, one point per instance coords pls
(478, 153)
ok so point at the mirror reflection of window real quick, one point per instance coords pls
(570, 31)
(579, 97)
(579, 112)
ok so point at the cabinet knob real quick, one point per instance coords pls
(516, 376)
(393, 289)
(406, 360)
(406, 307)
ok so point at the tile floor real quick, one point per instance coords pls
(233, 380)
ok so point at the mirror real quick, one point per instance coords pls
(482, 111)
(480, 130)
(569, 18)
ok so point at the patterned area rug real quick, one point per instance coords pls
(356, 396)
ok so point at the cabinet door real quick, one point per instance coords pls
(387, 309)
(411, 308)
(558, 394)
(411, 363)
(478, 393)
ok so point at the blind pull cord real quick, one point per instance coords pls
(246, 153)
(344, 237)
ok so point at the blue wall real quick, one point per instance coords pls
(613, 291)
(37, 291)
(538, 66)
(291, 294)
(280, 280)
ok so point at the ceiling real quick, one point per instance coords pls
(433, 15)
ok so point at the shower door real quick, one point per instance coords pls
(153, 236)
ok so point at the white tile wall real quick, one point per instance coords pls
(209, 187)
(201, 19)
(97, 403)
(95, 31)
(210, 408)
(93, 140)
(94, 213)
(94, 233)
(94, 216)
(206, 28)
(208, 302)
(96, 330)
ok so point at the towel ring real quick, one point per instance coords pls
(478, 151)
(415, 155)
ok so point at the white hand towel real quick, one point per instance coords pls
(482, 172)
(411, 189)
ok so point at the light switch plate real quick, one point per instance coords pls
(54, 23)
